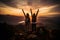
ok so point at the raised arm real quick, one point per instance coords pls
(23, 12)
(37, 12)
(31, 11)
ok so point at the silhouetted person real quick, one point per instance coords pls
(34, 17)
(27, 19)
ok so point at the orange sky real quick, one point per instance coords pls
(43, 11)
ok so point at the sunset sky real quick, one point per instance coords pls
(49, 11)
(14, 7)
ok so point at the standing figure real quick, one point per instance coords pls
(34, 17)
(27, 19)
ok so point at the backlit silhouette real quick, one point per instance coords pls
(27, 19)
(34, 17)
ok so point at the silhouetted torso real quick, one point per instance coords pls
(33, 18)
(27, 19)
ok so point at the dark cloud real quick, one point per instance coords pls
(44, 2)
(8, 2)
(50, 2)
(41, 3)
(56, 9)
(32, 2)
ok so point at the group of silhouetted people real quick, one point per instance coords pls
(27, 16)
(27, 19)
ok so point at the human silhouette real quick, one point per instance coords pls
(27, 19)
(34, 17)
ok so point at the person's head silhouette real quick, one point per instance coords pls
(34, 14)
(27, 14)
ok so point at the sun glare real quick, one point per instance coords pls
(18, 11)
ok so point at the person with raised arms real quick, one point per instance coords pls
(34, 17)
(27, 19)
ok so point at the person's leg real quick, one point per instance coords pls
(34, 27)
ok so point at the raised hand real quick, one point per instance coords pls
(37, 12)
(23, 12)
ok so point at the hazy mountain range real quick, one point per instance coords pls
(11, 19)
(49, 21)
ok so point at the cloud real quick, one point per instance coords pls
(7, 2)
(41, 3)
(56, 9)
(44, 2)
(33, 3)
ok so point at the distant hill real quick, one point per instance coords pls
(11, 19)
(52, 22)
